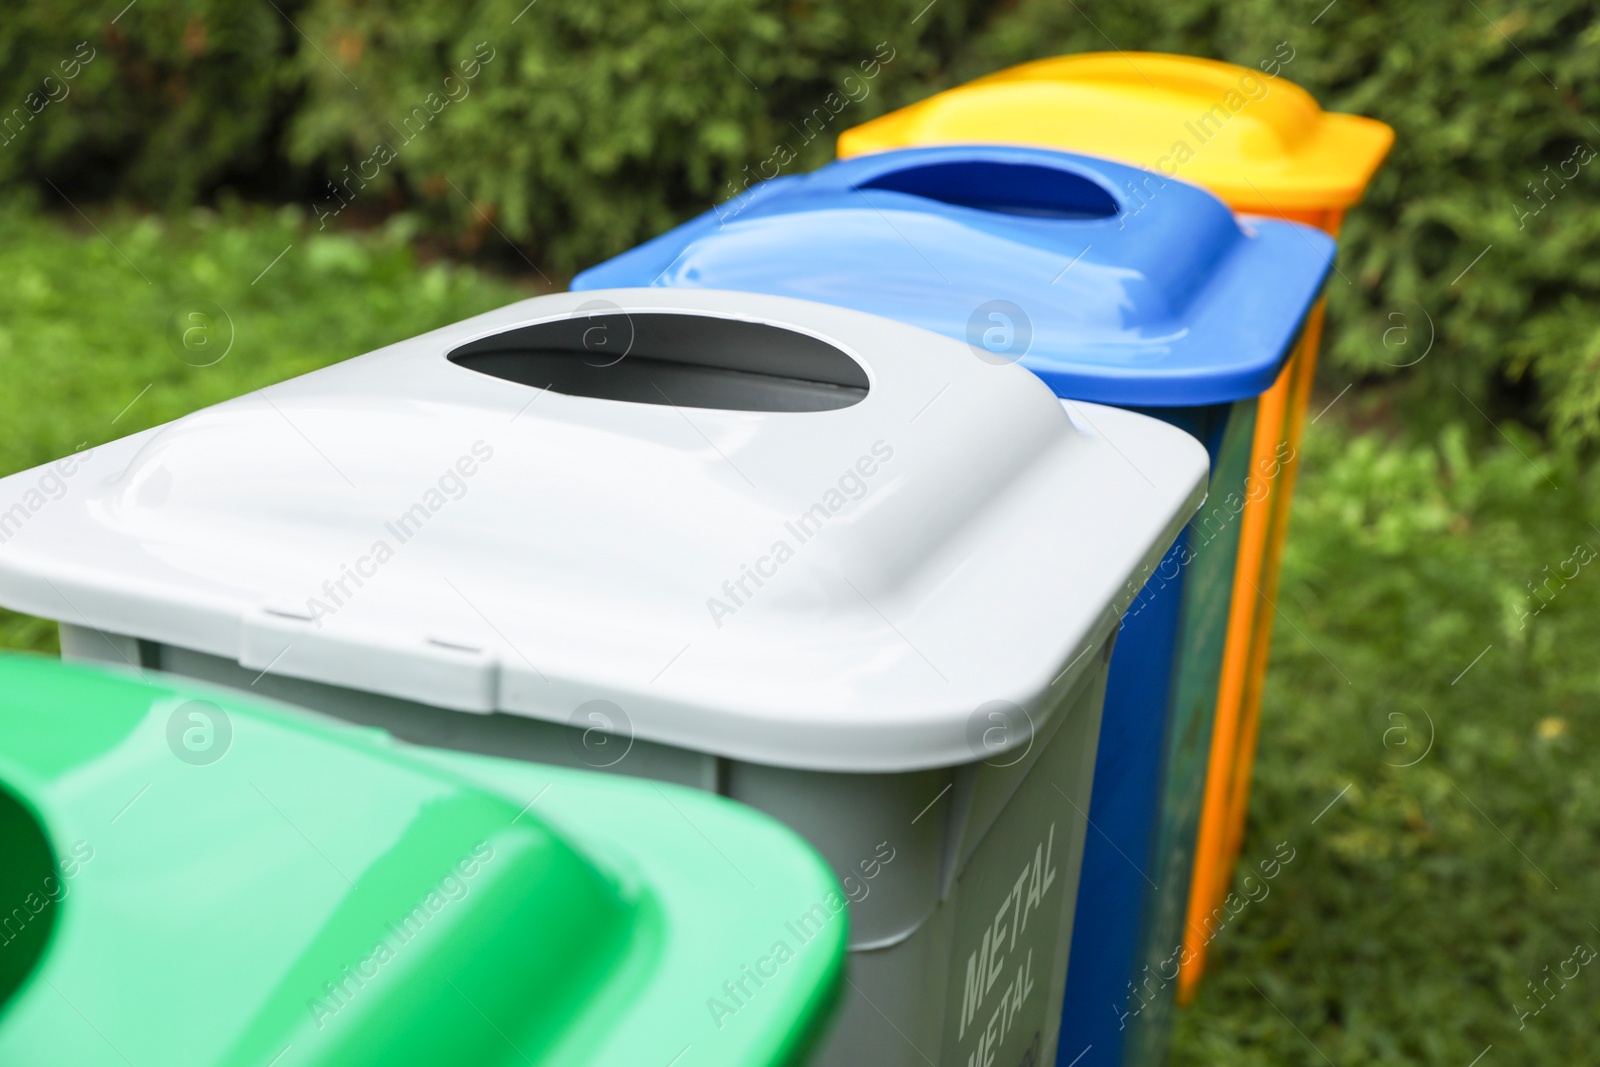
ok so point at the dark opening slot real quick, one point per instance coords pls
(685, 360)
(28, 870)
(1006, 188)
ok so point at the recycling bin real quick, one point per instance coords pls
(199, 879)
(1153, 297)
(820, 562)
(1264, 146)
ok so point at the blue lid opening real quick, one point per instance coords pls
(1126, 287)
(1005, 188)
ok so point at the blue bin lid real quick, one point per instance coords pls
(1114, 284)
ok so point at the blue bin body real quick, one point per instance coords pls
(1113, 285)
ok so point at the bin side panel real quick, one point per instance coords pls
(1123, 810)
(1014, 904)
(1214, 543)
(883, 835)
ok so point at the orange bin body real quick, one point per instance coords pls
(1264, 146)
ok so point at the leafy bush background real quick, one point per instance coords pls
(1406, 929)
(597, 125)
(1425, 900)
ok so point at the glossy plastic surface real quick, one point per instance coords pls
(1222, 822)
(1150, 771)
(1263, 145)
(1260, 142)
(1111, 284)
(929, 235)
(833, 590)
(234, 883)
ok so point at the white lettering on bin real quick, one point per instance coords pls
(986, 965)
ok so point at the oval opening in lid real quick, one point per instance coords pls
(681, 360)
(1005, 188)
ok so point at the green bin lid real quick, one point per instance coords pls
(195, 877)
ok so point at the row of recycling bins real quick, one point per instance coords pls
(901, 539)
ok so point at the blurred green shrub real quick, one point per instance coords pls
(159, 106)
(579, 130)
(583, 129)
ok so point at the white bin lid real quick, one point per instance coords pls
(409, 525)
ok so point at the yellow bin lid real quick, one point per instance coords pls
(1260, 143)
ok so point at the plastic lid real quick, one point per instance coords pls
(1261, 143)
(1111, 284)
(837, 578)
(231, 883)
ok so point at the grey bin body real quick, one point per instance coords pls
(963, 838)
(1003, 543)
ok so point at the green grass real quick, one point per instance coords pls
(1418, 905)
(1423, 900)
